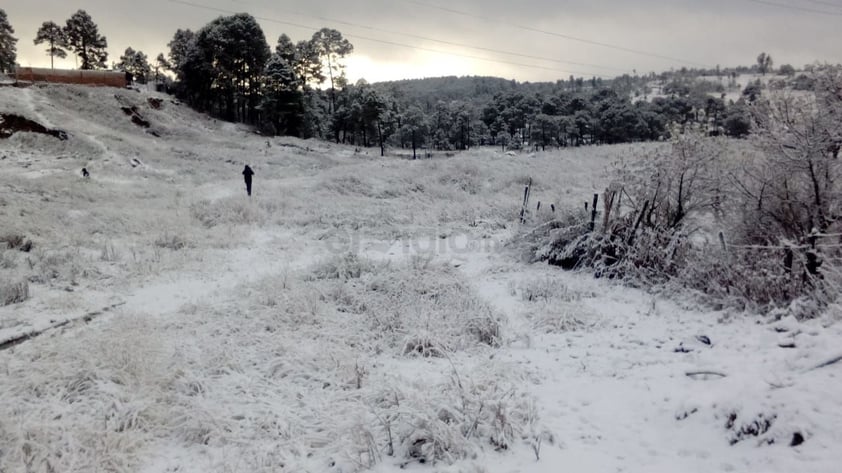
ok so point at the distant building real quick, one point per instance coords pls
(66, 76)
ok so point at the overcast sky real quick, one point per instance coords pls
(397, 39)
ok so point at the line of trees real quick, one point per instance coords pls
(228, 69)
(80, 35)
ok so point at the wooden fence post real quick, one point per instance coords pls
(813, 261)
(607, 205)
(637, 223)
(593, 211)
(524, 208)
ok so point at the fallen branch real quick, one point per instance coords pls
(693, 374)
(827, 363)
(87, 317)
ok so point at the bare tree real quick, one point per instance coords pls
(764, 63)
(791, 187)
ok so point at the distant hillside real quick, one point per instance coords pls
(477, 89)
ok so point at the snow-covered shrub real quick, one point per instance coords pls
(13, 292)
(654, 224)
(427, 310)
(172, 241)
(553, 307)
(453, 419)
(416, 308)
(57, 265)
(347, 266)
(228, 211)
(545, 289)
(12, 240)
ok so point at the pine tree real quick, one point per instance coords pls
(415, 127)
(221, 67)
(161, 64)
(281, 99)
(83, 38)
(331, 47)
(8, 50)
(182, 42)
(53, 35)
(764, 63)
(136, 64)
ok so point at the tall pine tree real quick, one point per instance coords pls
(8, 50)
(331, 47)
(135, 63)
(53, 35)
(84, 40)
(223, 67)
(281, 99)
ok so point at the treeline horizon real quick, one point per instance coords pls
(228, 70)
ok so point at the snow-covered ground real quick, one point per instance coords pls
(357, 313)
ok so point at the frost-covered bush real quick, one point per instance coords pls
(425, 310)
(552, 306)
(13, 292)
(655, 224)
(446, 421)
(172, 241)
(347, 266)
(229, 211)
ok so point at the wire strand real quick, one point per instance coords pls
(795, 7)
(394, 43)
(449, 43)
(559, 35)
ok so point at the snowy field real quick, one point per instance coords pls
(357, 313)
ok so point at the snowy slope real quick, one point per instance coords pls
(357, 314)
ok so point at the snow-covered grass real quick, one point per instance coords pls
(357, 313)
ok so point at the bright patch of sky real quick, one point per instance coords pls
(530, 40)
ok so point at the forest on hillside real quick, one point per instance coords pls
(228, 69)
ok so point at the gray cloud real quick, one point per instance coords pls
(726, 32)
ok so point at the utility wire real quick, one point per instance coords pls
(441, 41)
(392, 43)
(796, 8)
(558, 35)
(829, 4)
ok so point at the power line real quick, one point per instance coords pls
(558, 35)
(449, 43)
(830, 4)
(391, 43)
(795, 7)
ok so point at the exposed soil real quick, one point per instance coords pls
(11, 124)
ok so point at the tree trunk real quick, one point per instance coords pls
(380, 138)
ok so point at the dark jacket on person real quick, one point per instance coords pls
(247, 173)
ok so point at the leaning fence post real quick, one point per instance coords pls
(722, 242)
(813, 261)
(593, 211)
(523, 208)
(637, 223)
(789, 256)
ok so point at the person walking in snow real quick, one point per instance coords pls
(247, 173)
